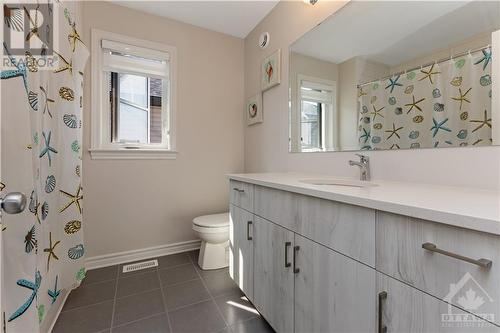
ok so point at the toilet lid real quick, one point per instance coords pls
(212, 221)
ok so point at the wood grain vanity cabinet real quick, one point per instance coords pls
(241, 249)
(406, 309)
(345, 228)
(273, 274)
(333, 293)
(401, 254)
(314, 265)
(241, 195)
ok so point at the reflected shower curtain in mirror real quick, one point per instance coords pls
(443, 104)
(43, 249)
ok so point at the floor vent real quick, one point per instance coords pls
(140, 265)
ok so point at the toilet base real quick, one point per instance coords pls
(213, 256)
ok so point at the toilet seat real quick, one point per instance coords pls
(210, 230)
(214, 221)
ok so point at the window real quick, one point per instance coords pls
(311, 120)
(136, 109)
(316, 112)
(134, 112)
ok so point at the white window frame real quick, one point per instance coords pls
(101, 146)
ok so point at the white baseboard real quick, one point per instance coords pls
(140, 254)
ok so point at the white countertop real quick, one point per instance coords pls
(470, 208)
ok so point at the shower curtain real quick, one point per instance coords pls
(43, 249)
(445, 104)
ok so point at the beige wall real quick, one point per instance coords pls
(348, 110)
(266, 144)
(473, 43)
(135, 204)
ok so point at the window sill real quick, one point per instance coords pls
(132, 154)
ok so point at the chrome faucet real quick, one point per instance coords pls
(364, 167)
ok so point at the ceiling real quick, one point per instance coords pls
(235, 18)
(392, 32)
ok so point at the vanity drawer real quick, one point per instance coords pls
(344, 228)
(241, 194)
(400, 254)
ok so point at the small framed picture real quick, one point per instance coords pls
(271, 71)
(254, 109)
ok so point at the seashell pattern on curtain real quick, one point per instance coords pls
(441, 105)
(43, 249)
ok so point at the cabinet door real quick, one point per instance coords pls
(406, 309)
(273, 294)
(333, 293)
(241, 249)
(401, 254)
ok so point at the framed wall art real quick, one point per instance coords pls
(271, 71)
(254, 109)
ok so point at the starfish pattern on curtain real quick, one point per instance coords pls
(441, 105)
(44, 250)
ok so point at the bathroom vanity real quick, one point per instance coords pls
(392, 257)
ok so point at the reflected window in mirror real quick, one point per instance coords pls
(311, 125)
(316, 116)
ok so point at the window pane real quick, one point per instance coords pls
(133, 123)
(136, 108)
(134, 89)
(310, 125)
(155, 93)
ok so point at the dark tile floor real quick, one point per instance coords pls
(176, 296)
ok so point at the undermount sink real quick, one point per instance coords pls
(338, 182)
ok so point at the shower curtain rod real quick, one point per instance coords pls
(425, 65)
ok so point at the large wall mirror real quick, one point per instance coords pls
(397, 75)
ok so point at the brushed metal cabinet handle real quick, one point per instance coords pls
(485, 263)
(238, 190)
(249, 223)
(295, 251)
(382, 296)
(287, 245)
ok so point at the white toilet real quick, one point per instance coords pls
(214, 233)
